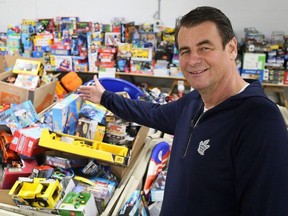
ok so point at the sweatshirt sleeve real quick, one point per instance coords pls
(160, 117)
(261, 161)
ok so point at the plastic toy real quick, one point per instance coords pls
(8, 154)
(37, 192)
(119, 85)
(71, 81)
(85, 147)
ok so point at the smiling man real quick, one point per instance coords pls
(230, 150)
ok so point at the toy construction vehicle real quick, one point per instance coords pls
(37, 192)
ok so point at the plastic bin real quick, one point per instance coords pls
(118, 85)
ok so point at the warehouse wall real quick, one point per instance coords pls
(266, 16)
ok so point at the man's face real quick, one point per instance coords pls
(203, 60)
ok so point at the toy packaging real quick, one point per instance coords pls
(78, 204)
(30, 67)
(102, 191)
(86, 128)
(22, 168)
(157, 189)
(112, 38)
(25, 141)
(65, 114)
(83, 26)
(135, 205)
(8, 116)
(93, 111)
(25, 113)
(115, 129)
(64, 160)
(27, 81)
(84, 147)
(61, 63)
(80, 64)
(253, 66)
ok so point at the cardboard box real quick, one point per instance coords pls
(71, 203)
(11, 174)
(30, 67)
(138, 144)
(41, 97)
(26, 141)
(5, 198)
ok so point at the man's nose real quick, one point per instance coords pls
(194, 59)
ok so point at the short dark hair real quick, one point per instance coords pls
(203, 14)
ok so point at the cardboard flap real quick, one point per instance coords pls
(1, 64)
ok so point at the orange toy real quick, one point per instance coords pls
(71, 81)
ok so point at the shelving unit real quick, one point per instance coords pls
(167, 82)
(170, 83)
(281, 92)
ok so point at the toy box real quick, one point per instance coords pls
(88, 128)
(157, 190)
(8, 116)
(25, 113)
(80, 204)
(41, 97)
(253, 66)
(25, 141)
(65, 114)
(64, 160)
(30, 67)
(77, 202)
(27, 81)
(102, 190)
(61, 63)
(22, 169)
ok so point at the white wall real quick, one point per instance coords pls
(266, 16)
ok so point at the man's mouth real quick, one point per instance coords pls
(197, 71)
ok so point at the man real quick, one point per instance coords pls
(230, 149)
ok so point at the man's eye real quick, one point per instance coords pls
(205, 49)
(184, 52)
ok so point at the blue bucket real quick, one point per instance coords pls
(119, 85)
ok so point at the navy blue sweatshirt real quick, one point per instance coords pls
(231, 160)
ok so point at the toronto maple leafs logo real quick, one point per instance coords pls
(203, 146)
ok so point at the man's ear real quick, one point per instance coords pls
(233, 48)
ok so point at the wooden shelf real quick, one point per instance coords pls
(150, 76)
(275, 85)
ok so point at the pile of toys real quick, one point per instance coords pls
(28, 74)
(72, 143)
(67, 44)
